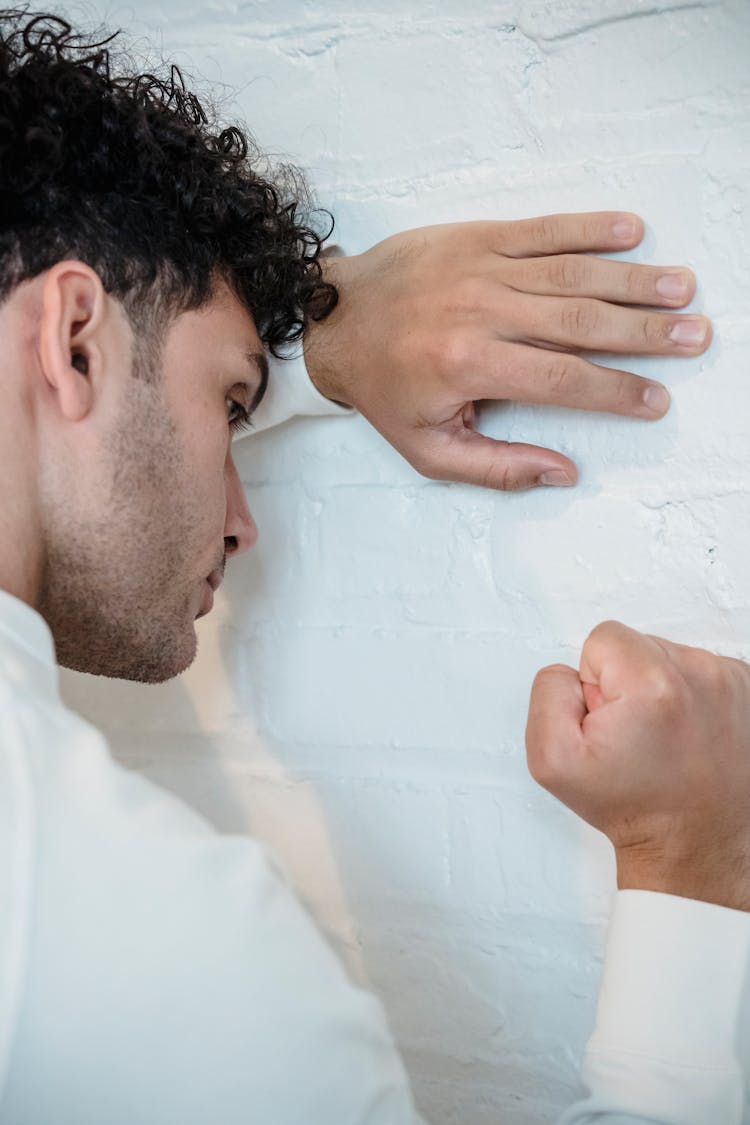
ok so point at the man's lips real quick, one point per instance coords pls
(215, 577)
(212, 584)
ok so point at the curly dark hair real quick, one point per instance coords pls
(132, 174)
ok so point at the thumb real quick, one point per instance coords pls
(506, 466)
(553, 731)
(615, 659)
(593, 696)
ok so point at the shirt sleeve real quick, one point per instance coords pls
(666, 1046)
(291, 393)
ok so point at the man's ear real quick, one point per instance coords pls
(74, 308)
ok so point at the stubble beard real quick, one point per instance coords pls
(113, 590)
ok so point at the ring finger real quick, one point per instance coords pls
(527, 374)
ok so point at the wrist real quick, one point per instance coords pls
(323, 373)
(718, 877)
(328, 364)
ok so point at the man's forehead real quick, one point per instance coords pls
(241, 337)
(223, 329)
(224, 304)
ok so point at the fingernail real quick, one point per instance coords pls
(555, 477)
(624, 230)
(656, 398)
(672, 286)
(689, 331)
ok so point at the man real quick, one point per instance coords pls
(151, 971)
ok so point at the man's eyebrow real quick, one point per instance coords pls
(259, 360)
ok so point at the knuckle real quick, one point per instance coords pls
(592, 230)
(450, 354)
(541, 758)
(579, 319)
(549, 672)
(546, 764)
(605, 636)
(742, 674)
(713, 672)
(666, 690)
(544, 231)
(564, 378)
(606, 631)
(635, 280)
(501, 477)
(567, 272)
(626, 392)
(655, 330)
(510, 482)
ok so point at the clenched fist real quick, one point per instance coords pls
(650, 743)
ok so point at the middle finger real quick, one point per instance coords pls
(586, 324)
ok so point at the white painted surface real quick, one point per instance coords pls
(360, 695)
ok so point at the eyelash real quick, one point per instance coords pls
(241, 420)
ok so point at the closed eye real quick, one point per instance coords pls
(238, 416)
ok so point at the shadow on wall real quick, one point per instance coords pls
(192, 737)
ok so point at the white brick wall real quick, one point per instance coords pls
(360, 696)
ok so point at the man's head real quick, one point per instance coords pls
(144, 265)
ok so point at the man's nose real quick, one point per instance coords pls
(240, 532)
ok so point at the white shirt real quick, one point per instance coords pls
(153, 972)
(290, 394)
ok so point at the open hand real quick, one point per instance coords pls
(432, 321)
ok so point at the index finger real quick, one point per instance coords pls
(566, 234)
(553, 730)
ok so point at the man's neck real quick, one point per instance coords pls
(21, 539)
(20, 558)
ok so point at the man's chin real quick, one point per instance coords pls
(145, 664)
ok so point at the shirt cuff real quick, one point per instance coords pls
(291, 393)
(666, 1042)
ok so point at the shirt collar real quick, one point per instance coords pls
(21, 627)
